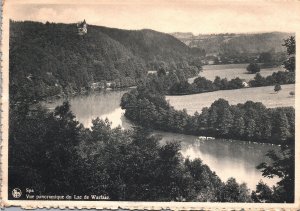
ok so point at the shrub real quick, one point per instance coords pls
(253, 68)
(292, 93)
(277, 88)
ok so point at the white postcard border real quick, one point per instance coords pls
(125, 204)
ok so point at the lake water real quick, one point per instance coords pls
(104, 104)
(227, 158)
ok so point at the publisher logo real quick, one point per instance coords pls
(16, 193)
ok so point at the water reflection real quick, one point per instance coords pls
(98, 104)
(227, 158)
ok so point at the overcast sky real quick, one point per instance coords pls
(168, 16)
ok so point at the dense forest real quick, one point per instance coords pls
(52, 59)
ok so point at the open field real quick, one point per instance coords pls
(231, 71)
(266, 95)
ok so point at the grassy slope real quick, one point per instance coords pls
(231, 71)
(266, 95)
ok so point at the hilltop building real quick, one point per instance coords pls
(82, 28)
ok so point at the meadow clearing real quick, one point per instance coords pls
(231, 71)
(266, 95)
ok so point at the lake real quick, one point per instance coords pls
(104, 104)
(227, 158)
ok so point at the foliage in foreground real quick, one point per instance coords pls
(290, 45)
(53, 154)
(283, 166)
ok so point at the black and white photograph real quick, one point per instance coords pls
(150, 101)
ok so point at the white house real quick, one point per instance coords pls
(245, 84)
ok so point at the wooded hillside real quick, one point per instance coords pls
(50, 59)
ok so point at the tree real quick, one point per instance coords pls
(277, 88)
(233, 192)
(225, 121)
(181, 75)
(42, 147)
(253, 68)
(235, 83)
(100, 129)
(258, 81)
(238, 127)
(218, 83)
(203, 84)
(206, 184)
(204, 118)
(250, 128)
(282, 166)
(173, 78)
(263, 193)
(283, 126)
(290, 45)
(161, 72)
(182, 87)
(265, 57)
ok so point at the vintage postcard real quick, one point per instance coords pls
(152, 104)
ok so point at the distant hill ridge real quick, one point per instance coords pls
(240, 43)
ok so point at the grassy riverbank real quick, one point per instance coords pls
(266, 95)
